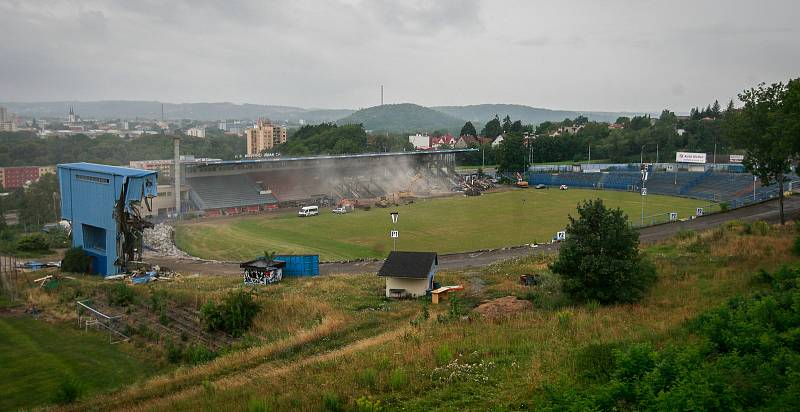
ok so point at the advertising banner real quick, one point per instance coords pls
(688, 157)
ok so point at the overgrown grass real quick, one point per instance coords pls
(512, 217)
(506, 364)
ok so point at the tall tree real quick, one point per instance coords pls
(513, 156)
(492, 128)
(600, 259)
(716, 110)
(468, 130)
(507, 124)
(766, 128)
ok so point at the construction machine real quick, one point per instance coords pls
(408, 193)
(521, 182)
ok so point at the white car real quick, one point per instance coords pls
(339, 210)
(563, 187)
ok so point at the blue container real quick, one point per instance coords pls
(300, 265)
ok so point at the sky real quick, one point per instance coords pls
(604, 55)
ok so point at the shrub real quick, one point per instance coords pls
(369, 377)
(600, 258)
(364, 404)
(36, 242)
(684, 234)
(797, 245)
(724, 207)
(332, 402)
(257, 405)
(443, 355)
(69, 390)
(595, 362)
(121, 295)
(397, 379)
(234, 315)
(760, 228)
(75, 261)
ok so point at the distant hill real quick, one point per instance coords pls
(131, 109)
(484, 112)
(404, 117)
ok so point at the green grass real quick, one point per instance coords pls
(445, 225)
(36, 357)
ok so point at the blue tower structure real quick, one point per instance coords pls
(101, 203)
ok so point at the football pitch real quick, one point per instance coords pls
(444, 225)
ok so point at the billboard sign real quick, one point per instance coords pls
(673, 215)
(737, 158)
(688, 157)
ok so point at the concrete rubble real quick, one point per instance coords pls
(160, 240)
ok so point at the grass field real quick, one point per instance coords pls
(37, 357)
(445, 225)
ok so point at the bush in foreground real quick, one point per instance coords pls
(743, 355)
(234, 315)
(600, 258)
(75, 261)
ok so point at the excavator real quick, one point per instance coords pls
(408, 193)
(521, 182)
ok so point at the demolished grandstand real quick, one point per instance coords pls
(253, 185)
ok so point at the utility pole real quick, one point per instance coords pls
(381, 95)
(590, 153)
(177, 164)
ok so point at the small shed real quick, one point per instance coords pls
(409, 274)
(262, 271)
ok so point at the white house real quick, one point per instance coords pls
(497, 141)
(196, 132)
(409, 274)
(420, 141)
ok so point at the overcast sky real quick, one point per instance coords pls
(583, 55)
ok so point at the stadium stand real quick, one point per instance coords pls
(226, 191)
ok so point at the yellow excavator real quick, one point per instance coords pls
(408, 193)
(521, 182)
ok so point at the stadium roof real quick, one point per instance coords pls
(344, 156)
(106, 169)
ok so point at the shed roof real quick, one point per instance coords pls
(262, 263)
(106, 169)
(408, 264)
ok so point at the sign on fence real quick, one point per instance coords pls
(699, 212)
(689, 157)
(562, 235)
(737, 158)
(673, 216)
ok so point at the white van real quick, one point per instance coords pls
(308, 211)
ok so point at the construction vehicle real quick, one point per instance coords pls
(382, 202)
(521, 182)
(408, 193)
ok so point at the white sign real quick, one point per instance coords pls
(687, 157)
(394, 234)
(394, 216)
(562, 235)
(644, 191)
(699, 211)
(673, 216)
(737, 158)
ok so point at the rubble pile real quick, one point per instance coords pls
(159, 239)
(503, 307)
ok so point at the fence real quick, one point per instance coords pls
(91, 317)
(10, 278)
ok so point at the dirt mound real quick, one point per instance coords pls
(502, 307)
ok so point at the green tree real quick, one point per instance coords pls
(507, 124)
(492, 128)
(468, 130)
(766, 127)
(513, 156)
(600, 258)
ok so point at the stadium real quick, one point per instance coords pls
(439, 219)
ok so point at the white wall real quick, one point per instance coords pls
(416, 287)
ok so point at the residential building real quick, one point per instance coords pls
(236, 127)
(8, 121)
(439, 141)
(163, 205)
(264, 136)
(196, 132)
(420, 141)
(464, 142)
(409, 274)
(14, 177)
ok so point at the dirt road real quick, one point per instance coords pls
(767, 211)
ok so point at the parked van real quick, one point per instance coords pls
(308, 211)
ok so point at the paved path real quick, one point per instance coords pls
(767, 211)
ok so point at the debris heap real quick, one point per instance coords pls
(160, 239)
